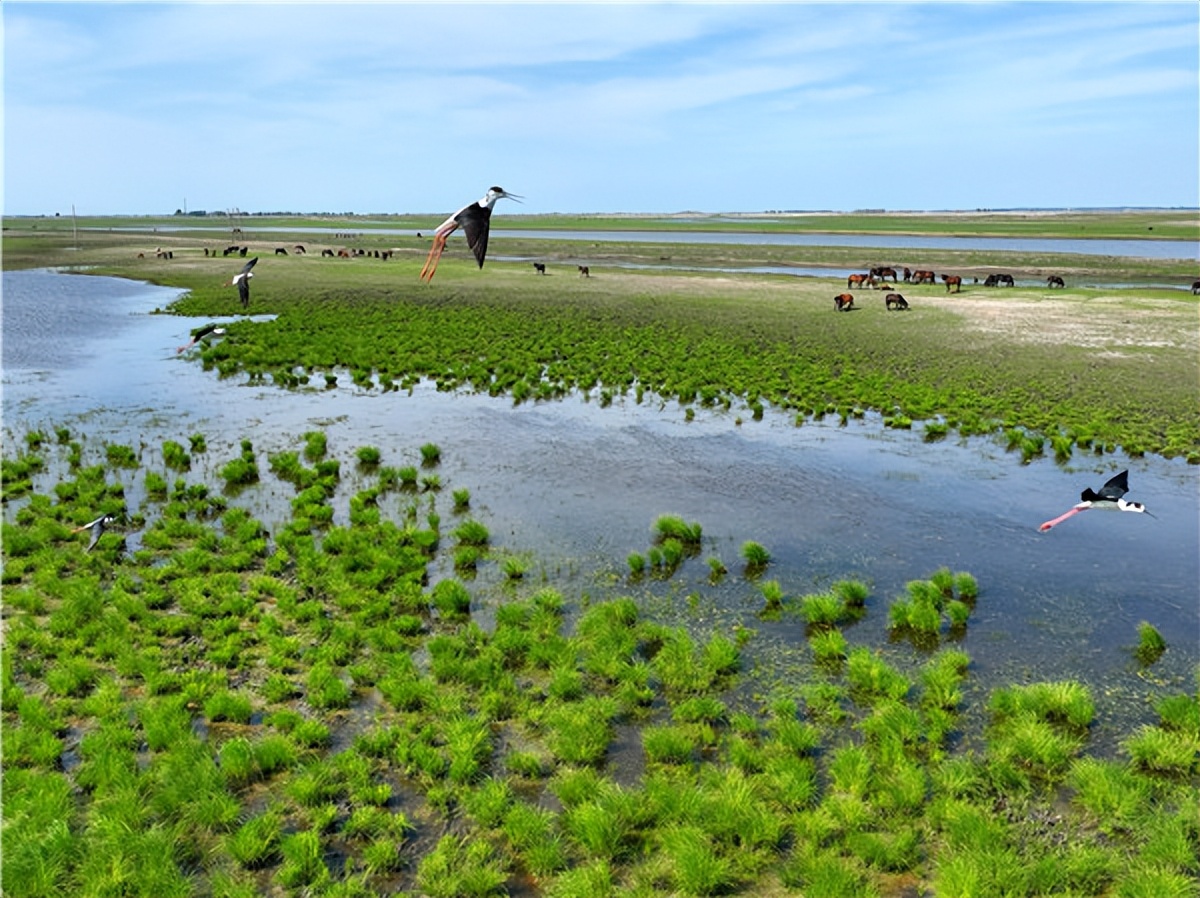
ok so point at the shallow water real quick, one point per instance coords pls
(1147, 249)
(576, 487)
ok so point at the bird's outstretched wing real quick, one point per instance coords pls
(475, 220)
(1113, 489)
(246, 268)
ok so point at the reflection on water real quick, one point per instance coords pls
(578, 486)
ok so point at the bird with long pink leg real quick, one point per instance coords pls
(475, 219)
(1110, 497)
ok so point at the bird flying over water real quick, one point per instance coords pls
(1108, 497)
(200, 333)
(97, 527)
(475, 220)
(242, 279)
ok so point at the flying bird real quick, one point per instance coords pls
(475, 220)
(1110, 496)
(242, 279)
(97, 527)
(200, 333)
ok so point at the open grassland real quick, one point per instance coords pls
(215, 710)
(1056, 370)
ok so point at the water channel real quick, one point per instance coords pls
(576, 487)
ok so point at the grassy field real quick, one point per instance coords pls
(224, 712)
(1057, 370)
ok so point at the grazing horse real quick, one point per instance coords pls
(883, 273)
(539, 267)
(921, 276)
(895, 300)
(1004, 280)
(280, 251)
(299, 249)
(952, 280)
(1195, 287)
(1055, 281)
(857, 280)
(327, 252)
(843, 302)
(584, 271)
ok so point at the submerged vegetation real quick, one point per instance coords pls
(199, 708)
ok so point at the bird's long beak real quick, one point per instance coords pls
(513, 196)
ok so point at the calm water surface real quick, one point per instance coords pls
(1143, 249)
(576, 488)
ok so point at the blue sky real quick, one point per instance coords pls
(380, 108)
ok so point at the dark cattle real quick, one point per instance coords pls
(539, 267)
(857, 280)
(882, 273)
(952, 280)
(1055, 281)
(386, 254)
(895, 300)
(242, 251)
(327, 252)
(299, 249)
(923, 277)
(280, 251)
(584, 271)
(843, 302)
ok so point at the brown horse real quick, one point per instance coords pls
(883, 273)
(923, 277)
(843, 302)
(584, 271)
(857, 280)
(895, 300)
(952, 280)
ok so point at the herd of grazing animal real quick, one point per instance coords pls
(475, 219)
(877, 279)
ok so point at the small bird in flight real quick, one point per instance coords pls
(1109, 497)
(475, 220)
(97, 527)
(200, 333)
(242, 279)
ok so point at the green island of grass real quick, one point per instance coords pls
(1092, 368)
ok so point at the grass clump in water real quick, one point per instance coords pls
(1151, 644)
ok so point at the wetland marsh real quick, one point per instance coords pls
(300, 666)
